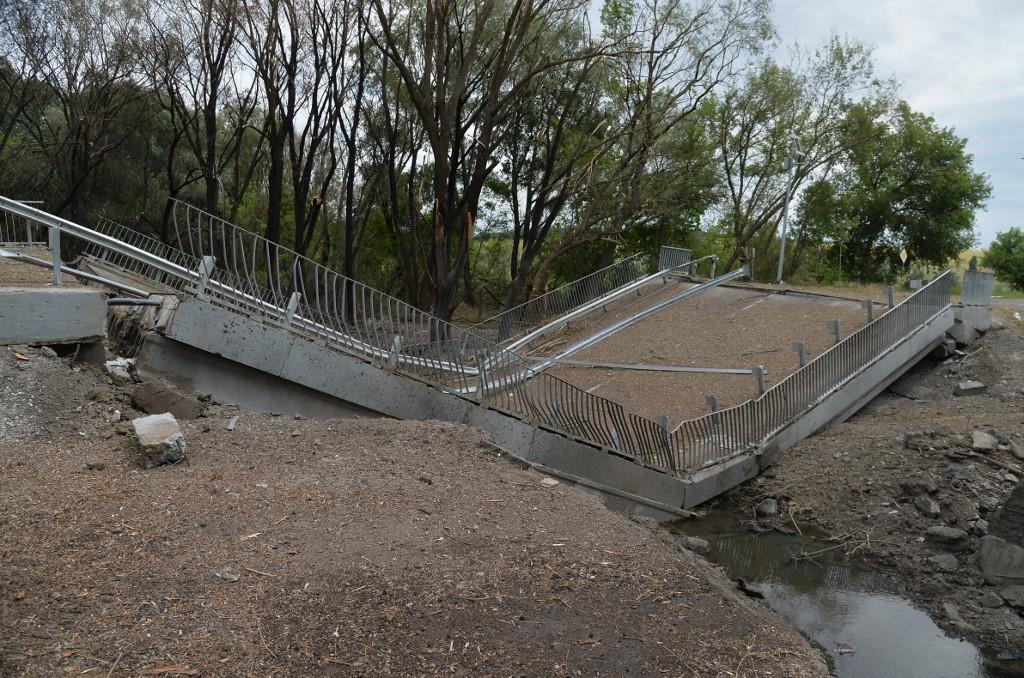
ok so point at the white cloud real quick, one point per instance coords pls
(962, 62)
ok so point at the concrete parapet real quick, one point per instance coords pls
(51, 315)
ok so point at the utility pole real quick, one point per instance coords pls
(796, 154)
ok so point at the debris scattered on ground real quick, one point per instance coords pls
(155, 396)
(360, 567)
(159, 439)
(121, 370)
(967, 388)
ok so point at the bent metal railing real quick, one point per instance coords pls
(245, 272)
(673, 257)
(256, 277)
(520, 319)
(715, 437)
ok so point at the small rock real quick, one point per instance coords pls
(296, 434)
(919, 440)
(1014, 596)
(1010, 478)
(1000, 561)
(944, 562)
(548, 482)
(226, 575)
(47, 351)
(991, 599)
(927, 506)
(1016, 450)
(919, 485)
(95, 466)
(982, 441)
(968, 387)
(160, 440)
(232, 423)
(767, 508)
(696, 544)
(945, 535)
(980, 527)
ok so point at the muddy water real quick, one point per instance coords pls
(848, 610)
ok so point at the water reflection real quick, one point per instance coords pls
(839, 605)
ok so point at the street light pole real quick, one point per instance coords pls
(792, 160)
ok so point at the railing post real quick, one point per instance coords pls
(869, 306)
(834, 326)
(759, 377)
(396, 349)
(55, 251)
(890, 295)
(712, 403)
(293, 305)
(206, 266)
(801, 352)
(481, 366)
(665, 441)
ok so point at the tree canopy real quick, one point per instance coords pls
(451, 151)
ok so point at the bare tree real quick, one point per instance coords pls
(85, 58)
(464, 66)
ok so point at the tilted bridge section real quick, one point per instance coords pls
(232, 293)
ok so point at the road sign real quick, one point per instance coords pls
(903, 255)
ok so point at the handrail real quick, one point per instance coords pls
(561, 300)
(314, 301)
(720, 435)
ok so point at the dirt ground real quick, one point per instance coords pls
(355, 547)
(734, 327)
(858, 485)
(19, 274)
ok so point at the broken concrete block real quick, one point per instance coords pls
(121, 370)
(962, 334)
(1000, 561)
(968, 387)
(982, 441)
(160, 440)
(156, 396)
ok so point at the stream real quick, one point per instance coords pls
(844, 607)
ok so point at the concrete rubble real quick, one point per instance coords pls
(159, 440)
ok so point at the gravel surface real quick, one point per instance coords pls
(859, 483)
(19, 274)
(355, 547)
(736, 327)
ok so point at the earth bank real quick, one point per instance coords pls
(354, 547)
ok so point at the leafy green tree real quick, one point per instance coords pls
(1006, 257)
(910, 185)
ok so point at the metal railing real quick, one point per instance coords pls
(718, 436)
(522, 318)
(15, 229)
(229, 266)
(673, 257)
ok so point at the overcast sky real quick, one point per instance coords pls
(960, 61)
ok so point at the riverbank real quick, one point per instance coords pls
(912, 485)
